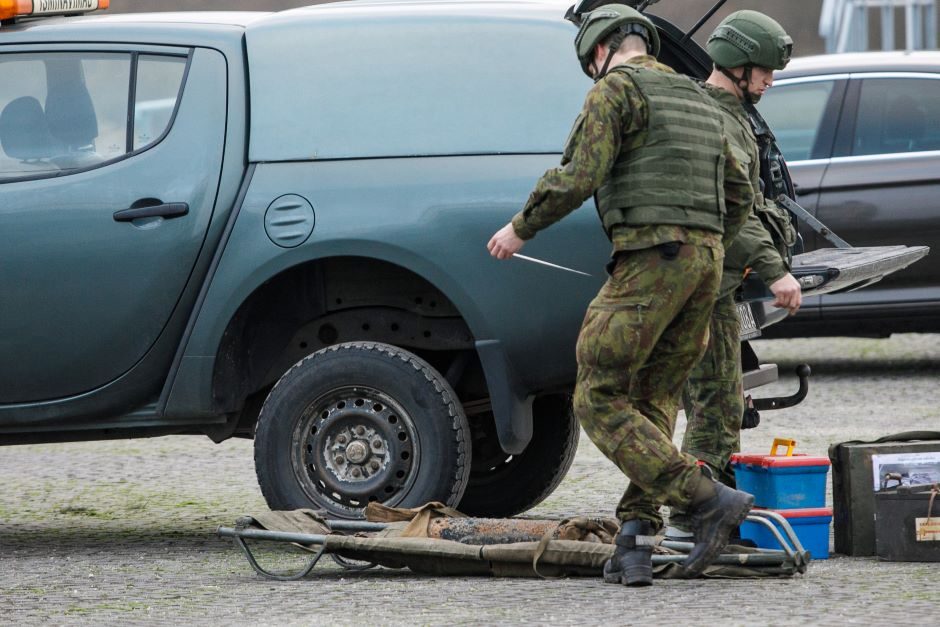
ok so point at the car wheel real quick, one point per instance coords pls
(505, 485)
(361, 422)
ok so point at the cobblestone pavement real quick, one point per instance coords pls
(123, 531)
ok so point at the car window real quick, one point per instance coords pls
(61, 111)
(897, 115)
(65, 112)
(158, 84)
(794, 113)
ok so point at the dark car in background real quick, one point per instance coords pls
(861, 135)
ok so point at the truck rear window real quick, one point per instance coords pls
(439, 85)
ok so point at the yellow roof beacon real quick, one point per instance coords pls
(13, 10)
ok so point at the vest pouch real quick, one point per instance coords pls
(777, 221)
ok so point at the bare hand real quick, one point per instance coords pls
(788, 294)
(505, 243)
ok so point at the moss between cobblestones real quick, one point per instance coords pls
(120, 501)
(130, 606)
(925, 594)
(84, 511)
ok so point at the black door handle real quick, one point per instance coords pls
(166, 210)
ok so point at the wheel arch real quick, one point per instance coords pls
(315, 303)
(297, 296)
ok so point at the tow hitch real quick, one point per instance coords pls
(753, 406)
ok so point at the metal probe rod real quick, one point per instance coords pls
(704, 19)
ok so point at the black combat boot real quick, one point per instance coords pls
(632, 563)
(713, 520)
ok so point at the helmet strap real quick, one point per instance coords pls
(745, 84)
(612, 48)
(741, 82)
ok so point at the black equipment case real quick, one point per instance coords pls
(907, 524)
(853, 494)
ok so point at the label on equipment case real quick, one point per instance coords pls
(927, 529)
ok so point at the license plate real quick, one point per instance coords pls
(749, 328)
(51, 7)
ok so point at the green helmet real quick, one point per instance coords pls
(750, 38)
(605, 20)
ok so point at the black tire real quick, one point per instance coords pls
(504, 485)
(361, 422)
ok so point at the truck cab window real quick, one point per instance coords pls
(61, 111)
(66, 112)
(158, 85)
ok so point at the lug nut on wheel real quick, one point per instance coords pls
(357, 452)
(340, 460)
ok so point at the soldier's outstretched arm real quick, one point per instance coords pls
(754, 248)
(589, 154)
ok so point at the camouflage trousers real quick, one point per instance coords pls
(642, 334)
(714, 401)
(714, 395)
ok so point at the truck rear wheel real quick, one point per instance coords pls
(361, 422)
(504, 485)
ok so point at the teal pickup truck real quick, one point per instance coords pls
(273, 225)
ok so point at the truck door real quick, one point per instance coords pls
(109, 168)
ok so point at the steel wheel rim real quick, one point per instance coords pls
(354, 445)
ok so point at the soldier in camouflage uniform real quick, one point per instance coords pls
(746, 48)
(669, 191)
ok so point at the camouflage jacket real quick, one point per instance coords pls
(753, 247)
(613, 119)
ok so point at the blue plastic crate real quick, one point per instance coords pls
(811, 526)
(782, 481)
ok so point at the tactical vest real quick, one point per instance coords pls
(773, 169)
(675, 176)
(775, 180)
